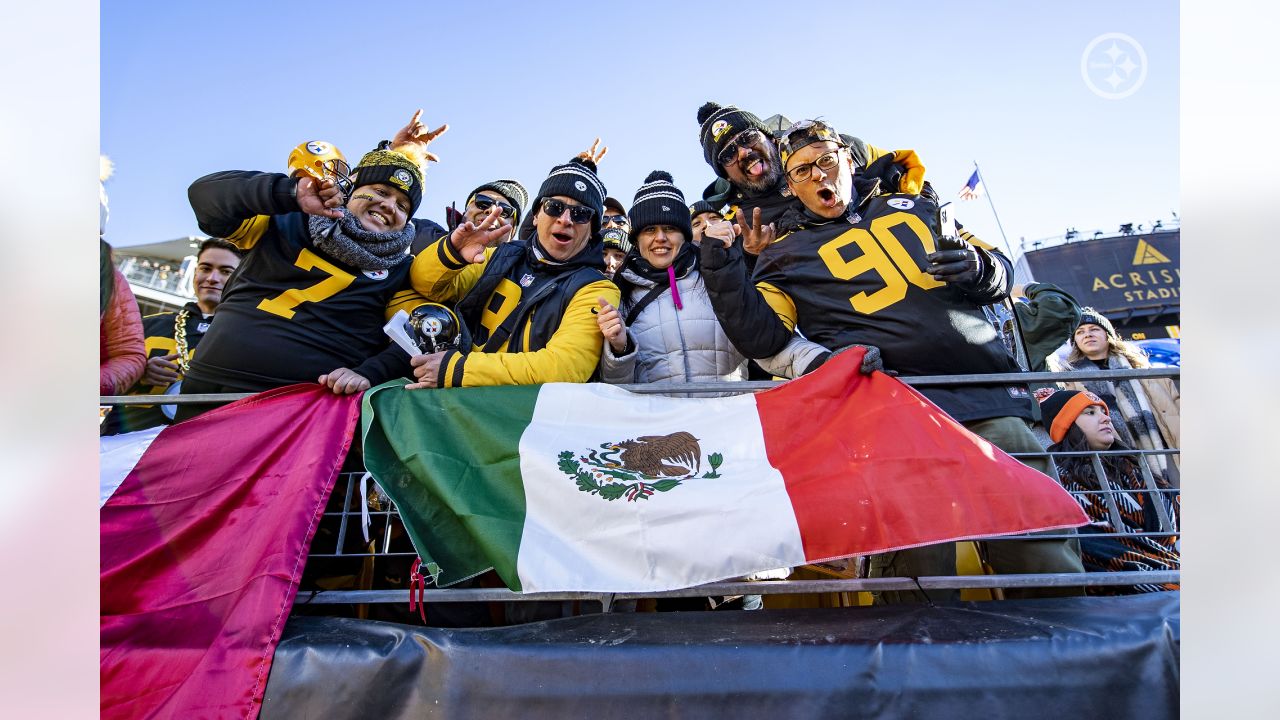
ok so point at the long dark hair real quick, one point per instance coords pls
(1081, 466)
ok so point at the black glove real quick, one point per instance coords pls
(714, 255)
(870, 362)
(957, 263)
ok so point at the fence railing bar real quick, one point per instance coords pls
(746, 386)
(763, 587)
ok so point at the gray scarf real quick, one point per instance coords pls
(345, 239)
(1137, 425)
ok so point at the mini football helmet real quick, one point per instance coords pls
(320, 160)
(435, 328)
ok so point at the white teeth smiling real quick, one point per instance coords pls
(379, 217)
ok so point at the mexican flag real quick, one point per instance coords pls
(588, 487)
(205, 528)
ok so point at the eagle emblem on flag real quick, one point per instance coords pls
(637, 468)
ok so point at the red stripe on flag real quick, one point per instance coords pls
(202, 549)
(871, 466)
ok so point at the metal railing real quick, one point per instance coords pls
(363, 527)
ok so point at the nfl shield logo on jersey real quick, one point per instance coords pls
(526, 280)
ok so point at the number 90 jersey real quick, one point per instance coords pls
(861, 279)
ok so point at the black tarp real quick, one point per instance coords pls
(1092, 657)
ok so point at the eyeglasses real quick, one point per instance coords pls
(579, 214)
(616, 220)
(825, 162)
(483, 204)
(744, 139)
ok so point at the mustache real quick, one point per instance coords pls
(751, 159)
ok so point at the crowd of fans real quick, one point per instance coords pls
(809, 242)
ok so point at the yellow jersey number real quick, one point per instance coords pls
(285, 303)
(883, 254)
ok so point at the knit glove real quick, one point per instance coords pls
(871, 362)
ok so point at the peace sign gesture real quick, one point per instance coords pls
(755, 237)
(592, 155)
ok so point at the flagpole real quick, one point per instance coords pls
(987, 191)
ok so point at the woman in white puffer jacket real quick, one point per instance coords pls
(661, 334)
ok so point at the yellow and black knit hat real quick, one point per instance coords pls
(393, 168)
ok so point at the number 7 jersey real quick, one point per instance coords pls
(861, 279)
(290, 312)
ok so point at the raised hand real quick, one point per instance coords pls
(960, 265)
(755, 237)
(591, 153)
(470, 239)
(319, 197)
(417, 134)
(612, 326)
(721, 230)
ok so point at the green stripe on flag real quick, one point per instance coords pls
(450, 460)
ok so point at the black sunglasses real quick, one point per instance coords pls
(579, 214)
(618, 219)
(484, 203)
(744, 139)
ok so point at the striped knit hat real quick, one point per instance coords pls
(659, 202)
(1089, 316)
(719, 125)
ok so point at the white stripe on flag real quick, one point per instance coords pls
(704, 529)
(117, 456)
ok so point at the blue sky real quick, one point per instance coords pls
(189, 89)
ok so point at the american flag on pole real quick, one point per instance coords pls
(972, 189)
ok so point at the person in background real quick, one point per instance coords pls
(1148, 410)
(616, 246)
(171, 338)
(1079, 421)
(509, 196)
(701, 213)
(121, 359)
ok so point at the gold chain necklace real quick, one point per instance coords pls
(180, 339)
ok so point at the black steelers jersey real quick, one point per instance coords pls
(862, 279)
(291, 313)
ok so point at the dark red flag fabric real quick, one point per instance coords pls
(202, 548)
(871, 465)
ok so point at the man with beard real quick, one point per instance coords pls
(869, 268)
(740, 148)
(171, 338)
(529, 305)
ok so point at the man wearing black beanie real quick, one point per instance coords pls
(529, 304)
(740, 148)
